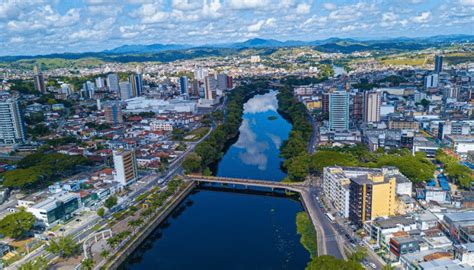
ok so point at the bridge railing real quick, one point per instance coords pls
(244, 181)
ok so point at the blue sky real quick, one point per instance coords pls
(55, 26)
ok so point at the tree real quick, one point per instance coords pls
(388, 267)
(87, 264)
(39, 264)
(326, 262)
(359, 255)
(192, 163)
(101, 212)
(104, 253)
(135, 223)
(17, 224)
(111, 201)
(298, 167)
(64, 247)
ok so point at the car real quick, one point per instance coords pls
(371, 264)
(78, 219)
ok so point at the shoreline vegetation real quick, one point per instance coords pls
(305, 228)
(211, 149)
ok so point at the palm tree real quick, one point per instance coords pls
(87, 264)
(105, 253)
(388, 267)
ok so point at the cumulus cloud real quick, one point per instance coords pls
(329, 6)
(254, 151)
(422, 18)
(248, 4)
(262, 103)
(303, 8)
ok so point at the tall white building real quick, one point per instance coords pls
(113, 82)
(12, 129)
(126, 168)
(431, 81)
(339, 110)
(209, 88)
(99, 82)
(372, 102)
(125, 90)
(200, 73)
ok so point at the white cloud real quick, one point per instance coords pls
(212, 8)
(303, 8)
(151, 13)
(467, 2)
(248, 4)
(329, 6)
(185, 4)
(422, 18)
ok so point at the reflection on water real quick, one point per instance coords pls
(257, 148)
(214, 230)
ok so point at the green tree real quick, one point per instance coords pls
(111, 201)
(326, 262)
(87, 264)
(388, 267)
(297, 167)
(17, 224)
(64, 247)
(192, 163)
(105, 254)
(101, 212)
(39, 264)
(358, 255)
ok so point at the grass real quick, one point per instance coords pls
(405, 61)
(305, 228)
(196, 134)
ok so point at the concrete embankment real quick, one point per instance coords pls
(152, 225)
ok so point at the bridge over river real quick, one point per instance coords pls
(329, 241)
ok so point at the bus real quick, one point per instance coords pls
(330, 217)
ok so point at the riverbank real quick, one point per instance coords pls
(294, 149)
(211, 150)
(117, 259)
(305, 228)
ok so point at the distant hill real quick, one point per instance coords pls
(172, 52)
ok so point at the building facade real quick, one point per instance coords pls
(339, 110)
(126, 168)
(12, 128)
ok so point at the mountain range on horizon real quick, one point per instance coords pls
(273, 43)
(172, 52)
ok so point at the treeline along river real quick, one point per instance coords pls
(225, 230)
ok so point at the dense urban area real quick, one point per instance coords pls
(95, 154)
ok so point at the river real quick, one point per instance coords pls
(225, 230)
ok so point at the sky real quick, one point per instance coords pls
(31, 27)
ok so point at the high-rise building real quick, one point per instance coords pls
(209, 88)
(99, 82)
(339, 110)
(358, 106)
(325, 104)
(438, 63)
(372, 102)
(136, 85)
(113, 82)
(196, 88)
(371, 195)
(200, 73)
(12, 128)
(88, 89)
(431, 81)
(223, 81)
(113, 113)
(126, 168)
(39, 80)
(124, 90)
(183, 85)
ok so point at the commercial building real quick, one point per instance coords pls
(431, 81)
(113, 113)
(143, 104)
(183, 85)
(160, 125)
(438, 63)
(136, 83)
(339, 187)
(339, 110)
(126, 168)
(113, 82)
(372, 102)
(38, 80)
(12, 128)
(372, 195)
(209, 88)
(56, 208)
(125, 92)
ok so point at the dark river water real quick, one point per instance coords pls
(225, 230)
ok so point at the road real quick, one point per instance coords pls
(86, 229)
